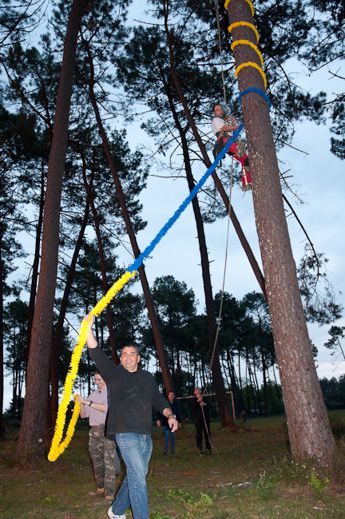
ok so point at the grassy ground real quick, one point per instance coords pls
(249, 475)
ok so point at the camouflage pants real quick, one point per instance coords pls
(104, 458)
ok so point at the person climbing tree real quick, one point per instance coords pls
(223, 127)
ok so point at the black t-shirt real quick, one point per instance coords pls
(131, 396)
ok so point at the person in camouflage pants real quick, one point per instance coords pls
(105, 461)
(103, 454)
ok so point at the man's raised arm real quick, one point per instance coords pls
(102, 361)
(90, 339)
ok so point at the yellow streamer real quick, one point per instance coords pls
(58, 446)
(245, 24)
(227, 2)
(253, 65)
(251, 45)
(117, 286)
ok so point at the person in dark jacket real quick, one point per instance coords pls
(201, 419)
(169, 435)
(132, 393)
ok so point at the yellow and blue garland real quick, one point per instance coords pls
(59, 444)
(254, 47)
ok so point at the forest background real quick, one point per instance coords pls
(311, 173)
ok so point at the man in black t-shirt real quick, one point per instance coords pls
(132, 394)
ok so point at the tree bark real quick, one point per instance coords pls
(167, 380)
(308, 424)
(217, 377)
(244, 399)
(35, 265)
(264, 380)
(218, 183)
(32, 431)
(58, 329)
(102, 264)
(237, 395)
(1, 340)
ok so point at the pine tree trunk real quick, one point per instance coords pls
(237, 395)
(35, 265)
(240, 383)
(264, 379)
(216, 179)
(32, 431)
(217, 377)
(167, 381)
(14, 390)
(308, 424)
(226, 372)
(257, 388)
(58, 329)
(102, 264)
(251, 385)
(1, 340)
(218, 183)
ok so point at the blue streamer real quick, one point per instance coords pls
(262, 93)
(139, 260)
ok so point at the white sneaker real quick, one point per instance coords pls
(111, 514)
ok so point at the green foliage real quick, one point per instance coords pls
(185, 486)
(334, 343)
(288, 470)
(17, 18)
(318, 484)
(193, 505)
(16, 316)
(317, 292)
(88, 289)
(325, 46)
(334, 394)
(265, 487)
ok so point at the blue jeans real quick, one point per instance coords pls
(169, 437)
(136, 450)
